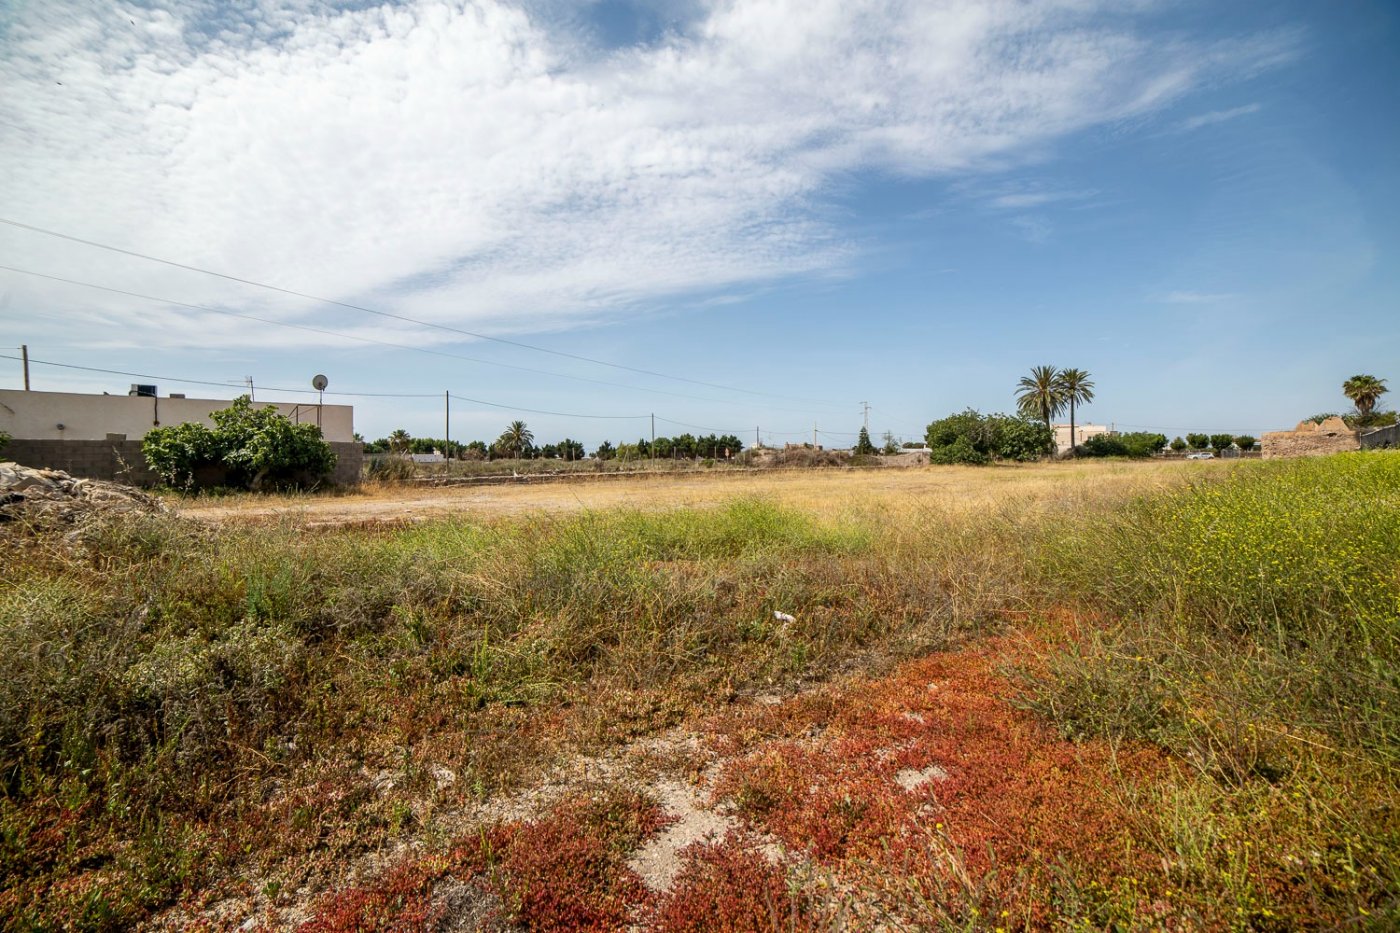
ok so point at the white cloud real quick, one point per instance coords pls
(1217, 116)
(465, 163)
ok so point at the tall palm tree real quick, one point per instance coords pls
(1075, 389)
(400, 440)
(516, 439)
(1364, 392)
(1039, 395)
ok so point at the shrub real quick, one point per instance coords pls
(1132, 444)
(4, 440)
(1198, 441)
(257, 447)
(392, 469)
(971, 437)
(960, 451)
(1245, 441)
(1103, 445)
(1221, 441)
(1179, 445)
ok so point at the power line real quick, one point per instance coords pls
(370, 340)
(397, 317)
(206, 382)
(541, 411)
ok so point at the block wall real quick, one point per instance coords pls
(122, 462)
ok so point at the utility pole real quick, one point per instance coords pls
(653, 436)
(447, 421)
(757, 441)
(866, 407)
(24, 353)
(249, 380)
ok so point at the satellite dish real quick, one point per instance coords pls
(319, 382)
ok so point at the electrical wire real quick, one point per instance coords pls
(398, 317)
(207, 382)
(541, 411)
(369, 340)
(434, 395)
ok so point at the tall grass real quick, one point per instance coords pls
(1251, 626)
(166, 679)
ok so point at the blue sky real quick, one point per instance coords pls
(806, 205)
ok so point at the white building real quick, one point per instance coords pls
(74, 416)
(1082, 432)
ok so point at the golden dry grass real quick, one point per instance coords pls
(946, 489)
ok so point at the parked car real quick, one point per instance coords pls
(1201, 455)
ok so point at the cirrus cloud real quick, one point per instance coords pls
(471, 163)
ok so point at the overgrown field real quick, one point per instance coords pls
(1162, 707)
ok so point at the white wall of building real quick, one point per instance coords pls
(1082, 432)
(77, 417)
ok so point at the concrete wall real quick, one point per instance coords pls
(1382, 438)
(37, 415)
(1310, 440)
(122, 462)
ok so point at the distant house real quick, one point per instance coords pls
(99, 436)
(1082, 432)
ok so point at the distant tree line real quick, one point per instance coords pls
(517, 442)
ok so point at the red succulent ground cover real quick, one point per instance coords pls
(996, 816)
(726, 885)
(924, 797)
(564, 871)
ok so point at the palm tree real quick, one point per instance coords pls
(1075, 389)
(400, 440)
(1039, 395)
(1364, 392)
(516, 439)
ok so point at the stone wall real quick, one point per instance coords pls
(1311, 440)
(120, 460)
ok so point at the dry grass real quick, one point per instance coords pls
(826, 492)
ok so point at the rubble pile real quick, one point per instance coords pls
(53, 498)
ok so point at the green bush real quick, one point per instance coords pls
(256, 447)
(971, 437)
(959, 451)
(1198, 441)
(1132, 444)
(1221, 441)
(4, 440)
(1103, 445)
(1179, 445)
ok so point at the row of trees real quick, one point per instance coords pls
(517, 442)
(968, 437)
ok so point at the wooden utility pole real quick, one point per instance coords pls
(447, 421)
(24, 354)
